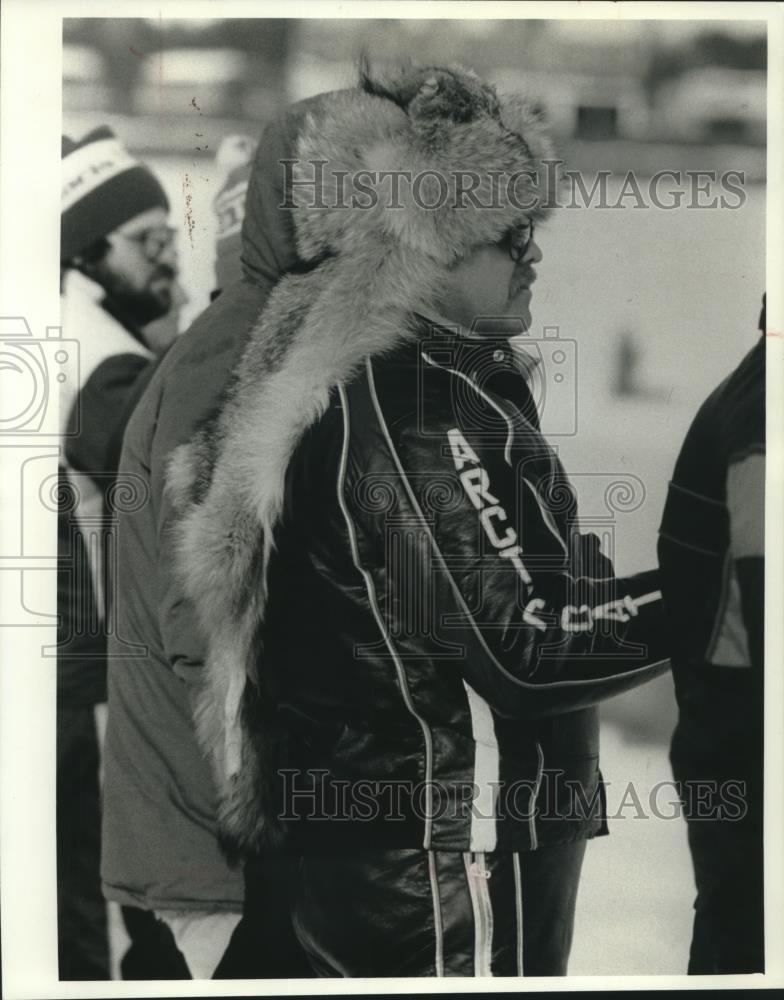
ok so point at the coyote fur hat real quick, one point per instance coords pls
(370, 266)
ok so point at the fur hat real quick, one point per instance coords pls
(465, 164)
(370, 267)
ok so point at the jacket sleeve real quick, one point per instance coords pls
(545, 625)
(746, 508)
(101, 412)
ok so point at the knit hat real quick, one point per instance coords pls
(235, 156)
(103, 187)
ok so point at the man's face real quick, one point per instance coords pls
(139, 269)
(491, 283)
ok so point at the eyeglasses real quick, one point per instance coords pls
(518, 239)
(152, 241)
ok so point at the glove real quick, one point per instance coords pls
(588, 559)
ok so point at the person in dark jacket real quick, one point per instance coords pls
(407, 635)
(712, 559)
(235, 157)
(118, 265)
(161, 853)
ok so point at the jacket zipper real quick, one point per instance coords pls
(479, 876)
(532, 820)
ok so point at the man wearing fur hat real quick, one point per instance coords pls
(407, 635)
(118, 268)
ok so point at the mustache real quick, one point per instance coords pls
(523, 277)
(163, 271)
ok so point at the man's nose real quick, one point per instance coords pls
(533, 253)
(168, 256)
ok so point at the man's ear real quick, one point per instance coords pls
(83, 265)
(86, 266)
(91, 255)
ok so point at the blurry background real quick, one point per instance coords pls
(659, 304)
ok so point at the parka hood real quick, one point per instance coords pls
(268, 234)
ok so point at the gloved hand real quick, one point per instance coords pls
(588, 558)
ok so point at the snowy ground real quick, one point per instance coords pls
(634, 910)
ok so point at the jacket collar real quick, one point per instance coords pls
(508, 352)
(490, 362)
(78, 285)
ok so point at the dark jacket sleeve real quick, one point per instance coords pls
(101, 412)
(746, 508)
(97, 423)
(542, 632)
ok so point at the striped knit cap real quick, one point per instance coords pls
(103, 187)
